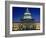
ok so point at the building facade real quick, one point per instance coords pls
(27, 23)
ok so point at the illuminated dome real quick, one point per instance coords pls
(27, 15)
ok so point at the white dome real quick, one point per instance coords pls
(27, 13)
(27, 17)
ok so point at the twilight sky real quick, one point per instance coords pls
(18, 13)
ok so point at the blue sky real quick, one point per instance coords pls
(18, 13)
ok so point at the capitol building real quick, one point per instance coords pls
(27, 23)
